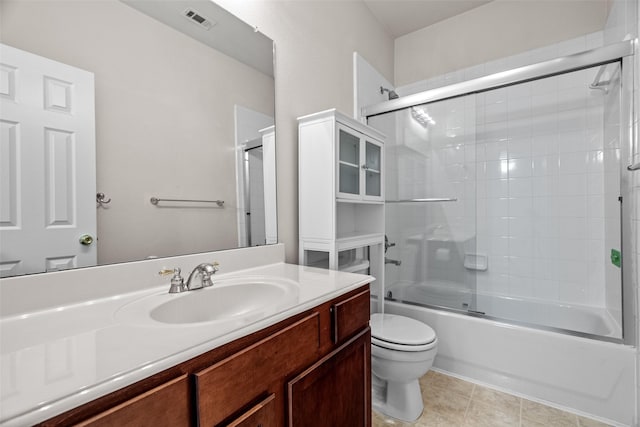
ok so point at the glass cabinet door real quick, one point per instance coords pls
(348, 163)
(372, 168)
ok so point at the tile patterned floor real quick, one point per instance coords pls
(452, 402)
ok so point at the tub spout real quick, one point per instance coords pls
(392, 261)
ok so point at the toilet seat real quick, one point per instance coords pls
(401, 333)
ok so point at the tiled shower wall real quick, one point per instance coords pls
(544, 170)
(547, 191)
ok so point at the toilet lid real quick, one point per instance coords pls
(400, 330)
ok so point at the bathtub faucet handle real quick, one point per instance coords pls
(387, 244)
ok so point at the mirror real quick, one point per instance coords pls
(109, 104)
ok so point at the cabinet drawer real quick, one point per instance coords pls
(230, 385)
(261, 415)
(165, 405)
(350, 315)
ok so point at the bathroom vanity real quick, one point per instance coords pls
(305, 362)
(314, 362)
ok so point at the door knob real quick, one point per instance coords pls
(86, 239)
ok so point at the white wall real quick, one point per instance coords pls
(492, 31)
(315, 41)
(164, 120)
(367, 82)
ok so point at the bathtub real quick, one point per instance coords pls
(585, 376)
(584, 320)
(568, 317)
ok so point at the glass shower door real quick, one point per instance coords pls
(505, 203)
(431, 203)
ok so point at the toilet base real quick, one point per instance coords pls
(403, 400)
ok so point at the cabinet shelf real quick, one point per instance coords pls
(353, 165)
(355, 266)
(356, 240)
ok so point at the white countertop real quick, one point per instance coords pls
(55, 359)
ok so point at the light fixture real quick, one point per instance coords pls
(421, 115)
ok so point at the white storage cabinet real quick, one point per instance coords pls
(341, 194)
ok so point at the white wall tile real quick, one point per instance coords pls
(521, 208)
(571, 163)
(546, 165)
(519, 168)
(519, 147)
(520, 187)
(496, 150)
(574, 184)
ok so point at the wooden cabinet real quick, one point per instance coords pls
(341, 194)
(348, 315)
(165, 405)
(311, 369)
(335, 390)
(264, 414)
(237, 382)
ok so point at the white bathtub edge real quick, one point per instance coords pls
(586, 377)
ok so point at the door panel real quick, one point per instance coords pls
(47, 164)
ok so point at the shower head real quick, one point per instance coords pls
(392, 93)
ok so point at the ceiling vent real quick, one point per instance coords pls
(195, 17)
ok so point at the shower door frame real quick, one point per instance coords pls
(621, 52)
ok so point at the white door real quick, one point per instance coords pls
(47, 164)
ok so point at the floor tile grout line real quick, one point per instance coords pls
(466, 411)
(520, 413)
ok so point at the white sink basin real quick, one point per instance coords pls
(233, 300)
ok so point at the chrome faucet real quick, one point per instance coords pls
(204, 271)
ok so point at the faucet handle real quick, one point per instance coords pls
(177, 282)
(207, 271)
(167, 271)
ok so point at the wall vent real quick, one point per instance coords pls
(197, 18)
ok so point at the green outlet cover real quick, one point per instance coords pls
(615, 257)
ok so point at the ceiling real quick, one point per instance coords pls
(401, 17)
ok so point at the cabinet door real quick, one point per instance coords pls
(233, 384)
(261, 415)
(166, 405)
(335, 391)
(349, 158)
(372, 168)
(350, 315)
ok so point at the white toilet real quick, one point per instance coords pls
(402, 350)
